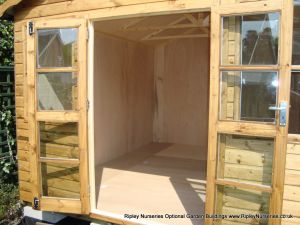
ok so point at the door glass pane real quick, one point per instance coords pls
(294, 118)
(248, 95)
(237, 201)
(57, 47)
(57, 91)
(250, 39)
(296, 35)
(58, 140)
(59, 180)
(245, 159)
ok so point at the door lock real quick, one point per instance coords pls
(36, 203)
(282, 112)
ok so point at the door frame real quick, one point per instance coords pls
(77, 206)
(245, 128)
(96, 213)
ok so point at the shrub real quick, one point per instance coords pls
(10, 206)
(8, 164)
(6, 43)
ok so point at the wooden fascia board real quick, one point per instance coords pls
(7, 5)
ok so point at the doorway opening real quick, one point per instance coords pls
(150, 106)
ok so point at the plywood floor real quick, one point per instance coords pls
(156, 179)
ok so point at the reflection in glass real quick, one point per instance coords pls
(294, 119)
(248, 95)
(250, 39)
(245, 158)
(238, 201)
(57, 47)
(59, 180)
(58, 140)
(296, 35)
(57, 91)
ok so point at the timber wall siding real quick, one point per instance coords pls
(22, 124)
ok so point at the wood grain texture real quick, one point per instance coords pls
(61, 7)
(8, 4)
(123, 97)
(245, 160)
(167, 177)
(182, 92)
(213, 111)
(23, 154)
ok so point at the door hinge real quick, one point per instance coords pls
(87, 34)
(30, 28)
(87, 104)
(36, 203)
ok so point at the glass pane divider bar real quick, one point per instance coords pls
(59, 160)
(253, 68)
(64, 116)
(295, 67)
(56, 70)
(245, 185)
(241, 128)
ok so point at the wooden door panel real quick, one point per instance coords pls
(58, 115)
(247, 144)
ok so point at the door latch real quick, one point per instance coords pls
(282, 112)
(30, 28)
(36, 203)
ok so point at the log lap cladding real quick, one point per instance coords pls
(60, 141)
(21, 113)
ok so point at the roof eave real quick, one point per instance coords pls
(8, 5)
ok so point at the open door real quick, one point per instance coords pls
(58, 115)
(249, 99)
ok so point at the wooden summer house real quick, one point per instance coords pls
(156, 107)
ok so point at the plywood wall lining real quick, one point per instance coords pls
(123, 97)
(181, 81)
(174, 106)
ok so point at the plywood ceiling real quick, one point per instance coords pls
(157, 28)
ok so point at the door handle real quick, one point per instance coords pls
(275, 108)
(282, 112)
